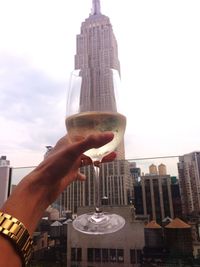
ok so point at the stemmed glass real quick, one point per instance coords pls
(88, 114)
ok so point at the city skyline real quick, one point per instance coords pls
(159, 55)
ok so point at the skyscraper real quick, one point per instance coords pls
(157, 197)
(189, 177)
(96, 58)
(4, 161)
(4, 179)
(96, 55)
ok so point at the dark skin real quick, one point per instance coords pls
(44, 184)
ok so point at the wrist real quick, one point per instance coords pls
(8, 256)
(27, 203)
(16, 233)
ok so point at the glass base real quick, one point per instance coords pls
(98, 223)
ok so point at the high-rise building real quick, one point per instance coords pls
(176, 197)
(4, 161)
(189, 177)
(115, 187)
(157, 197)
(135, 172)
(96, 55)
(4, 179)
(96, 58)
(153, 195)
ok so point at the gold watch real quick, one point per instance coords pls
(17, 233)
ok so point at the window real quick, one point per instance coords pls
(73, 254)
(113, 256)
(90, 254)
(79, 254)
(97, 254)
(105, 257)
(120, 255)
(135, 256)
(76, 254)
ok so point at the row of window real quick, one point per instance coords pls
(105, 255)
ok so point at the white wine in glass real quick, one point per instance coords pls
(81, 124)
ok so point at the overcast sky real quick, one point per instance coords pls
(159, 51)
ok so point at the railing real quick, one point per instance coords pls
(143, 163)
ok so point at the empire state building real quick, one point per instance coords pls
(97, 57)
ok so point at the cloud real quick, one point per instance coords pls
(32, 106)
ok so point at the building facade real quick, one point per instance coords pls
(176, 199)
(153, 197)
(4, 161)
(157, 197)
(4, 179)
(122, 248)
(189, 177)
(156, 194)
(115, 187)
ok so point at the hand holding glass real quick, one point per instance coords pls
(82, 121)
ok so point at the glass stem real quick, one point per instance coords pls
(97, 189)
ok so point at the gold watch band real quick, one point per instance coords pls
(17, 233)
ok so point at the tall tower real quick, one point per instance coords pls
(96, 57)
(4, 179)
(96, 7)
(189, 177)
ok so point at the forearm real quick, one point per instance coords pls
(41, 187)
(8, 255)
(27, 204)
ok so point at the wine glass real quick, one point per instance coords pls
(91, 109)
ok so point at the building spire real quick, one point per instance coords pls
(96, 7)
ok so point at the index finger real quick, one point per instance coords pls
(92, 141)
